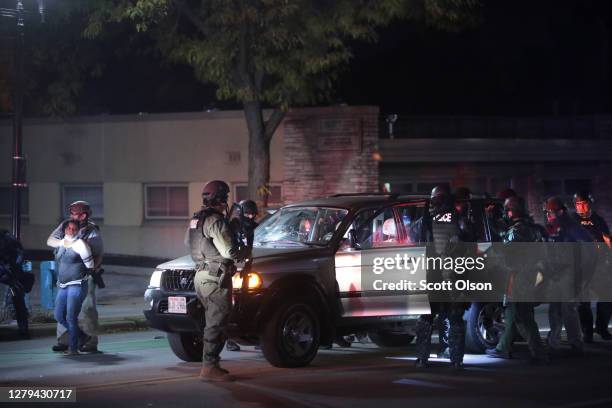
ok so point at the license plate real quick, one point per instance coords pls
(177, 304)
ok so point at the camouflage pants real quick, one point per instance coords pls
(456, 334)
(443, 326)
(564, 314)
(217, 301)
(88, 319)
(520, 319)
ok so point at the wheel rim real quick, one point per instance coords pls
(298, 334)
(491, 323)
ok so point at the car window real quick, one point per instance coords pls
(378, 230)
(408, 215)
(296, 226)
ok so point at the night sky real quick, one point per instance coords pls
(525, 58)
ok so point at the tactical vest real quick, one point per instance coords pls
(70, 265)
(201, 245)
(443, 227)
(590, 225)
(524, 230)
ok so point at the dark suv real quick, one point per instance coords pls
(304, 287)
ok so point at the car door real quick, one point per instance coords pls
(379, 234)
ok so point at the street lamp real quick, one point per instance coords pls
(19, 164)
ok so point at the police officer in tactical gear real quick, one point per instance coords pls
(569, 266)
(494, 212)
(214, 251)
(597, 227)
(11, 274)
(444, 232)
(523, 276)
(243, 226)
(89, 232)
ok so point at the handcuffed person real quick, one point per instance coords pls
(89, 232)
(74, 263)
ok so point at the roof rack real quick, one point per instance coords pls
(390, 195)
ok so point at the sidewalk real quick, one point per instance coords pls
(120, 303)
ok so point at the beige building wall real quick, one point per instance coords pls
(123, 154)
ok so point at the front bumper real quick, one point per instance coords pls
(242, 323)
(159, 318)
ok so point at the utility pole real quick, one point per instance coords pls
(18, 159)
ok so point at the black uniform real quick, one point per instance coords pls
(522, 278)
(596, 226)
(11, 258)
(444, 232)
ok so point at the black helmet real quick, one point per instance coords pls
(440, 199)
(584, 196)
(80, 207)
(248, 207)
(506, 193)
(462, 193)
(215, 192)
(516, 205)
(554, 204)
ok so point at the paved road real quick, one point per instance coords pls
(139, 370)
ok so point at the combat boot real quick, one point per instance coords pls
(215, 373)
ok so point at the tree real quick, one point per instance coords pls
(267, 53)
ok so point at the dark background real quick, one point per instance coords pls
(537, 57)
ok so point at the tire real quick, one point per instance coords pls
(485, 325)
(186, 346)
(292, 336)
(386, 338)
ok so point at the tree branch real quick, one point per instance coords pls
(272, 123)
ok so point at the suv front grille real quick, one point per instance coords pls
(181, 279)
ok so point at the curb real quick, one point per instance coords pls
(109, 325)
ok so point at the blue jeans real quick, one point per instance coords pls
(67, 308)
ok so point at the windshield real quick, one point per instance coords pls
(299, 226)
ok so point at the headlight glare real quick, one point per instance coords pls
(254, 281)
(155, 281)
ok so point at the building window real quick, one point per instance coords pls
(168, 201)
(6, 201)
(92, 193)
(241, 192)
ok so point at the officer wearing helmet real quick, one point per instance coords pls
(597, 227)
(568, 264)
(89, 232)
(494, 211)
(522, 280)
(214, 251)
(444, 232)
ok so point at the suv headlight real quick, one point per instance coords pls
(254, 281)
(156, 276)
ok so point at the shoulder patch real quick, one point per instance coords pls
(193, 224)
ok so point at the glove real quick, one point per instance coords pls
(97, 278)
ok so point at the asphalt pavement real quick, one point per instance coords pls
(138, 369)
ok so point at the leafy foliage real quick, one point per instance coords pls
(279, 52)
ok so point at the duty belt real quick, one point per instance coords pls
(216, 269)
